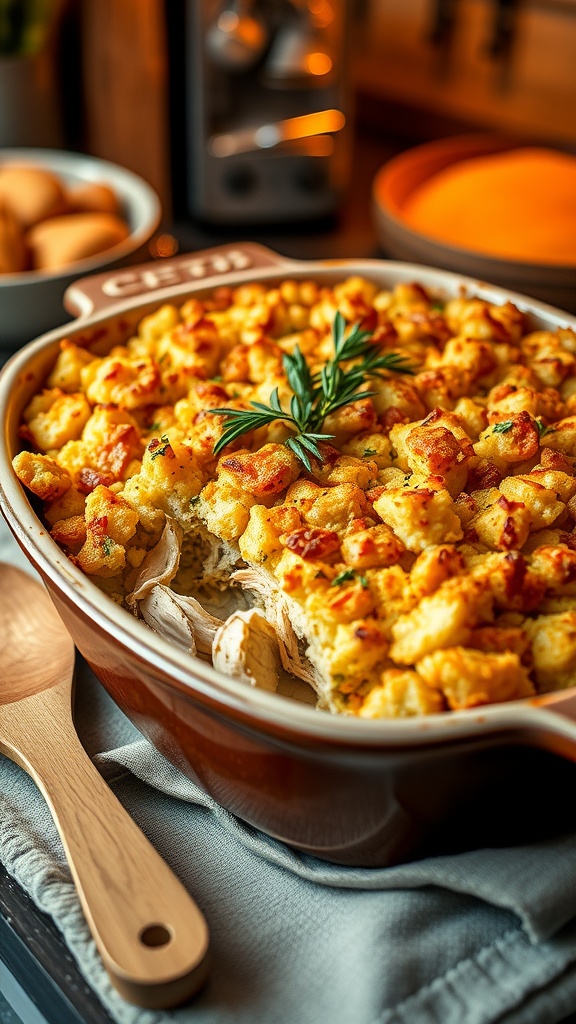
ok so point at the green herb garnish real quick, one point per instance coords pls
(107, 546)
(343, 577)
(503, 427)
(543, 429)
(161, 449)
(346, 576)
(370, 451)
(316, 395)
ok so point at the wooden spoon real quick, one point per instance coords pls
(151, 936)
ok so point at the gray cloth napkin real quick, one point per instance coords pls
(473, 938)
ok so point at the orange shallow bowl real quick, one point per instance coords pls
(400, 177)
(353, 791)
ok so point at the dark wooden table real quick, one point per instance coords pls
(39, 980)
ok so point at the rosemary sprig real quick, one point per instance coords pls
(316, 395)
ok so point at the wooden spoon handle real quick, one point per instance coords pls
(152, 937)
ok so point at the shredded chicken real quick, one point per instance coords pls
(245, 647)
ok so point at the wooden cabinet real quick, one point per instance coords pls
(529, 89)
(125, 84)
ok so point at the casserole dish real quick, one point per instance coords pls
(359, 792)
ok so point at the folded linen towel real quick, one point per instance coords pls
(475, 938)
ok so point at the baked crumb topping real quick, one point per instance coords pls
(417, 556)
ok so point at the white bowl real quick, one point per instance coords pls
(31, 301)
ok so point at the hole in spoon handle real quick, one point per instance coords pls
(155, 935)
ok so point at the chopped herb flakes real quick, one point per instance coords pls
(346, 576)
(543, 430)
(343, 577)
(162, 447)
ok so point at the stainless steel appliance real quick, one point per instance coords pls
(266, 109)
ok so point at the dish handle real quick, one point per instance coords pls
(556, 728)
(99, 291)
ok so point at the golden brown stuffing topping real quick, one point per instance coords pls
(390, 478)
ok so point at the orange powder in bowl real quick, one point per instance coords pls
(520, 205)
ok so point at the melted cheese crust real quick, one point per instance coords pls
(431, 555)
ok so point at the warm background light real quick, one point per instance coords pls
(318, 63)
(163, 245)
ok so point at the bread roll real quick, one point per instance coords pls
(31, 193)
(62, 240)
(13, 255)
(93, 197)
